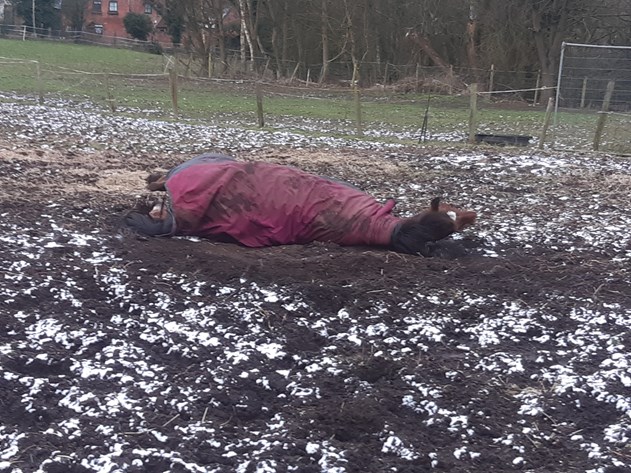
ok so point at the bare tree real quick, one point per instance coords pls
(556, 21)
(550, 20)
(247, 45)
(324, 28)
(472, 44)
(74, 12)
(452, 35)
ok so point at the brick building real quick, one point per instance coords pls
(105, 17)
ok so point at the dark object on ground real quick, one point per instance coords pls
(503, 140)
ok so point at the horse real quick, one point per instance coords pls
(259, 204)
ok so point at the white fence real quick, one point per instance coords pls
(83, 37)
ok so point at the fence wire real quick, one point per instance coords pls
(406, 116)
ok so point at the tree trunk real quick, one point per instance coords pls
(472, 54)
(255, 29)
(285, 36)
(246, 40)
(198, 36)
(301, 52)
(275, 45)
(351, 38)
(217, 14)
(548, 41)
(324, 22)
(426, 47)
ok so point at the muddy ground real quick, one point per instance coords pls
(126, 354)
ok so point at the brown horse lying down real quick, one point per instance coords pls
(259, 204)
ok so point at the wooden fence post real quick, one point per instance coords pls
(40, 87)
(173, 85)
(583, 92)
(473, 111)
(110, 97)
(358, 110)
(602, 116)
(418, 85)
(491, 78)
(537, 84)
(259, 105)
(357, 98)
(546, 122)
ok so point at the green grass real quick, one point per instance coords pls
(82, 57)
(137, 81)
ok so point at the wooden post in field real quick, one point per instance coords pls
(546, 122)
(110, 97)
(33, 18)
(211, 65)
(259, 105)
(418, 85)
(473, 111)
(358, 110)
(40, 88)
(583, 92)
(188, 65)
(357, 97)
(537, 84)
(602, 116)
(173, 85)
(491, 78)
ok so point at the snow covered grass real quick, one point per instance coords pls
(138, 85)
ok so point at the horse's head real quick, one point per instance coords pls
(461, 218)
(150, 217)
(436, 223)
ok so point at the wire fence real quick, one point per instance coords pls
(24, 32)
(408, 113)
(405, 77)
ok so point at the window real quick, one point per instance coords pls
(112, 9)
(96, 7)
(148, 9)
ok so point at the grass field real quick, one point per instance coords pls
(137, 84)
(82, 57)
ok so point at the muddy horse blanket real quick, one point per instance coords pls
(261, 204)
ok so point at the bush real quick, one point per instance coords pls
(154, 48)
(138, 26)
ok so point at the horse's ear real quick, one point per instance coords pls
(433, 205)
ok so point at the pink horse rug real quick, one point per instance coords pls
(260, 204)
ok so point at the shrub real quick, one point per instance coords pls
(138, 26)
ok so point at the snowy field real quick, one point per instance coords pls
(126, 354)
